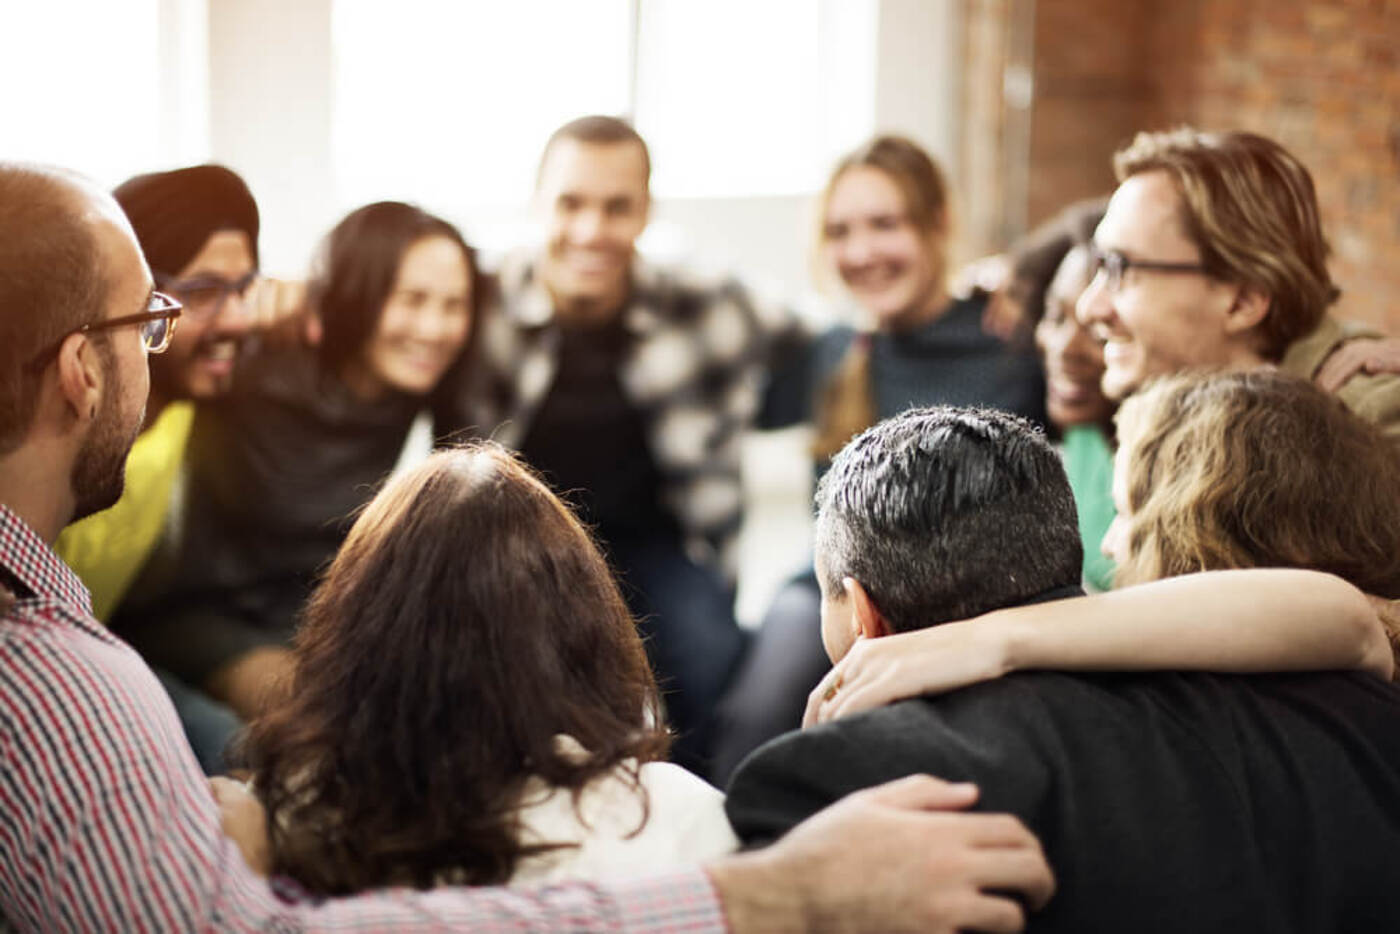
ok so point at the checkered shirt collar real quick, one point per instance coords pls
(34, 564)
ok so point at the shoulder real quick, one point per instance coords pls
(714, 302)
(58, 674)
(1009, 736)
(668, 818)
(281, 372)
(1376, 398)
(1304, 356)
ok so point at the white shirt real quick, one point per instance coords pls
(685, 824)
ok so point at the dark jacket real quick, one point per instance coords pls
(1165, 802)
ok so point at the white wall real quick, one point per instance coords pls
(271, 105)
(270, 117)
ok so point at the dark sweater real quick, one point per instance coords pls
(1165, 802)
(275, 473)
(948, 361)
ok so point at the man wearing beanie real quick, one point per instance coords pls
(198, 228)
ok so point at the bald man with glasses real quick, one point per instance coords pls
(198, 230)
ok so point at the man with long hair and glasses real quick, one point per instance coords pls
(1211, 254)
(198, 229)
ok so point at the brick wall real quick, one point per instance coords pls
(1321, 77)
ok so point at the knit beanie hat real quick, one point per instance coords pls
(175, 213)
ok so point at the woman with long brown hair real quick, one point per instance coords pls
(301, 440)
(1215, 472)
(471, 702)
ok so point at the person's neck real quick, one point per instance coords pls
(29, 488)
(1244, 356)
(587, 311)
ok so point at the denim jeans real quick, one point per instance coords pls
(686, 615)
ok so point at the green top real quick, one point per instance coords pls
(1089, 464)
(109, 548)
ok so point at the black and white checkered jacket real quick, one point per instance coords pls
(696, 371)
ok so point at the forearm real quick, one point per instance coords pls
(755, 896)
(1236, 621)
(678, 903)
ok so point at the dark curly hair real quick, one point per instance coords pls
(466, 622)
(1036, 257)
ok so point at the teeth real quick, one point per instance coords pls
(874, 279)
(223, 350)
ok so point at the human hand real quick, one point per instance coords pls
(248, 682)
(1004, 315)
(989, 274)
(244, 821)
(1388, 612)
(1360, 355)
(277, 308)
(876, 672)
(890, 858)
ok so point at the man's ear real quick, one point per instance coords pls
(80, 383)
(866, 618)
(1248, 311)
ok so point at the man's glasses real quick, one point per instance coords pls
(157, 322)
(205, 296)
(1114, 264)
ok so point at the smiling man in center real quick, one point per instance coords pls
(628, 386)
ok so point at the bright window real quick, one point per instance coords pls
(453, 101)
(113, 97)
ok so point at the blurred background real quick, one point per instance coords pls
(323, 105)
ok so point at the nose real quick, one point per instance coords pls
(233, 316)
(586, 226)
(1113, 540)
(1094, 304)
(1078, 343)
(857, 249)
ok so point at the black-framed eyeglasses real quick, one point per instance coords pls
(1114, 264)
(205, 296)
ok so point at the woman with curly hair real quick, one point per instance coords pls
(1216, 472)
(471, 702)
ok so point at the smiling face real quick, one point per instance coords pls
(595, 202)
(424, 322)
(199, 362)
(1156, 322)
(1073, 358)
(890, 266)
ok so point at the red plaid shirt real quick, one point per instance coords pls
(106, 823)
